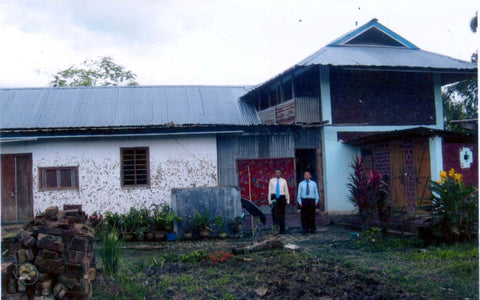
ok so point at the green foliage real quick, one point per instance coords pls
(464, 109)
(194, 256)
(454, 207)
(202, 220)
(101, 72)
(234, 224)
(110, 251)
(220, 225)
(369, 193)
(467, 91)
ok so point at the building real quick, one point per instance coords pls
(370, 92)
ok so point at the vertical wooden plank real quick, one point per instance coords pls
(397, 161)
(8, 188)
(24, 187)
(421, 160)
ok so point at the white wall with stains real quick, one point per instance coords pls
(175, 162)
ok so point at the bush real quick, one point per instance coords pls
(369, 194)
(454, 207)
(193, 257)
(110, 251)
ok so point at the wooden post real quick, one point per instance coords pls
(250, 192)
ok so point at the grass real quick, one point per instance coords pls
(445, 272)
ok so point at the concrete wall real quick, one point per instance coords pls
(175, 162)
(222, 201)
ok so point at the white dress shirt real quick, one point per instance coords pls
(272, 187)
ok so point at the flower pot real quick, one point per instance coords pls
(204, 233)
(171, 236)
(187, 235)
(139, 237)
(222, 235)
(150, 236)
(159, 235)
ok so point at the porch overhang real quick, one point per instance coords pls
(368, 138)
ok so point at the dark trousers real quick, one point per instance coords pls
(278, 212)
(308, 215)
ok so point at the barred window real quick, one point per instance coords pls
(135, 166)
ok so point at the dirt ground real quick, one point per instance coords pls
(302, 274)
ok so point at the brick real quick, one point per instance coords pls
(7, 269)
(50, 242)
(72, 212)
(63, 223)
(51, 266)
(46, 287)
(43, 277)
(79, 296)
(81, 244)
(29, 255)
(51, 231)
(21, 256)
(74, 256)
(26, 238)
(48, 254)
(85, 230)
(78, 207)
(59, 290)
(16, 296)
(51, 211)
(21, 287)
(77, 270)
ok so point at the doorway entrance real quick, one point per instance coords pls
(17, 188)
(306, 161)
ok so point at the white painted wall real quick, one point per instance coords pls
(175, 162)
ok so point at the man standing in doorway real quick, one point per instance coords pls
(307, 200)
(279, 197)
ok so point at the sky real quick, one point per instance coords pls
(211, 42)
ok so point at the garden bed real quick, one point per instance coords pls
(331, 264)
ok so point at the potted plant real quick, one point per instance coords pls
(202, 221)
(220, 227)
(170, 217)
(235, 225)
(158, 221)
(188, 227)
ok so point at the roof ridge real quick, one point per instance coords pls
(135, 86)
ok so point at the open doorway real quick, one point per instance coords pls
(306, 160)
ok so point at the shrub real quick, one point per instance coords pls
(193, 257)
(454, 207)
(110, 251)
(369, 194)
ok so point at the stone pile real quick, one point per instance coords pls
(60, 246)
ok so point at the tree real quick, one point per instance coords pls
(466, 90)
(101, 72)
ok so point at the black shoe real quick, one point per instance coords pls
(282, 232)
(304, 231)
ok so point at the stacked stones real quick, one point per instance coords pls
(60, 246)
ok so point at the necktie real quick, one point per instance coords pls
(277, 190)
(308, 189)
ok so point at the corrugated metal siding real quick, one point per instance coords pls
(267, 116)
(231, 148)
(286, 112)
(124, 106)
(308, 139)
(307, 109)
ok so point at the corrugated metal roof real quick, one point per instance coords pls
(124, 106)
(370, 56)
(340, 53)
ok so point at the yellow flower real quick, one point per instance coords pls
(439, 182)
(451, 173)
(443, 175)
(458, 177)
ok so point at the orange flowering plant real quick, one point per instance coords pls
(454, 206)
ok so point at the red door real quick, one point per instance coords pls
(17, 189)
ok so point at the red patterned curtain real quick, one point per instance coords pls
(255, 182)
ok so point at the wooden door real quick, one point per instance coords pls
(421, 160)
(399, 178)
(17, 189)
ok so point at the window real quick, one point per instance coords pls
(58, 178)
(135, 166)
